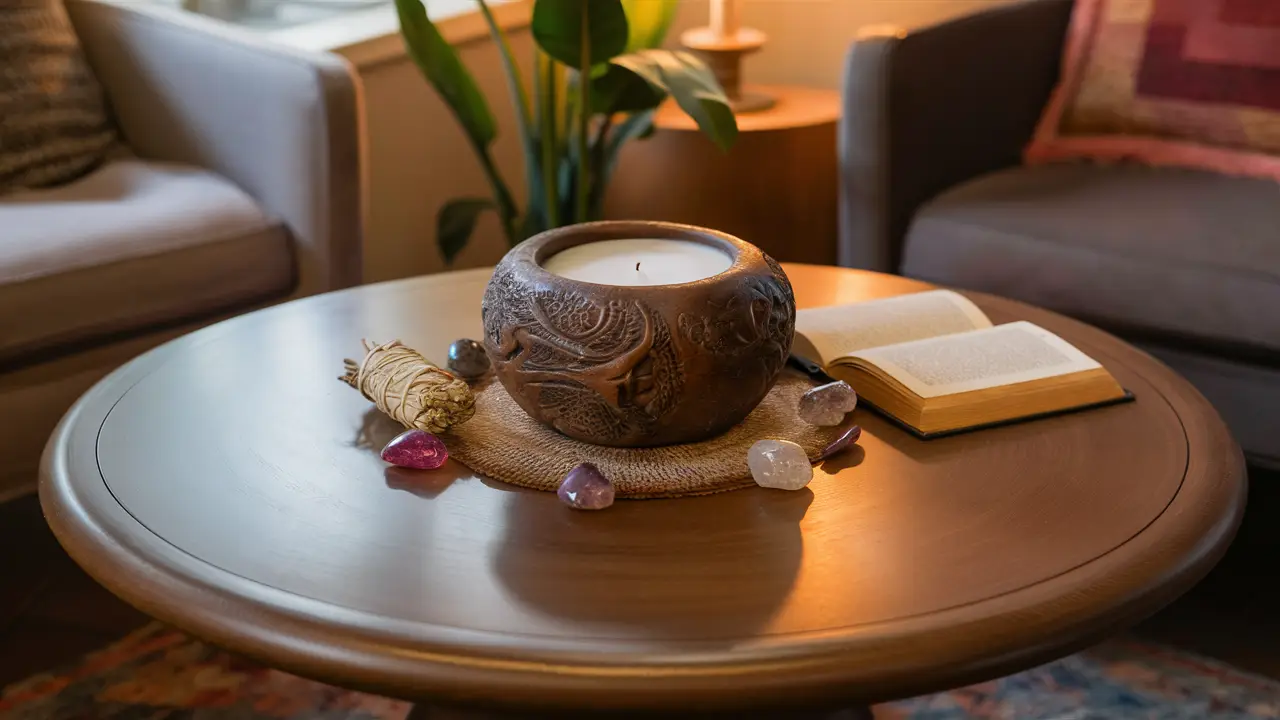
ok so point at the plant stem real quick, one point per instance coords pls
(515, 82)
(549, 139)
(507, 211)
(598, 158)
(584, 120)
(602, 132)
(519, 96)
(569, 121)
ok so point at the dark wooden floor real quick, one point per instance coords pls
(1234, 615)
(51, 612)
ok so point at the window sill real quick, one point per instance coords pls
(372, 37)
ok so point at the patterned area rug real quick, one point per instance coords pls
(161, 674)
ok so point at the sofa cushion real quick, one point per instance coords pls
(1246, 395)
(54, 125)
(128, 247)
(1185, 254)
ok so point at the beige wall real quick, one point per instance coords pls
(808, 39)
(419, 158)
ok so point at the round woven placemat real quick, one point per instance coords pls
(504, 443)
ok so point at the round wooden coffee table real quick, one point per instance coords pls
(228, 484)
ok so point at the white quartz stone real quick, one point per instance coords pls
(779, 464)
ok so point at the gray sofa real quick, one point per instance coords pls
(1185, 264)
(241, 186)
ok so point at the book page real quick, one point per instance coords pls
(979, 359)
(839, 330)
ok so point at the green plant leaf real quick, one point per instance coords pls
(694, 87)
(622, 90)
(566, 185)
(456, 222)
(634, 127)
(563, 28)
(649, 21)
(440, 63)
(549, 81)
(519, 96)
(532, 223)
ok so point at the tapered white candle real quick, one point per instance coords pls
(639, 261)
(726, 18)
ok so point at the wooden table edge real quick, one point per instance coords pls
(853, 666)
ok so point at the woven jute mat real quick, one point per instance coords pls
(504, 443)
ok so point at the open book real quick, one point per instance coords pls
(935, 363)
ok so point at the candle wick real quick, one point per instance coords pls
(637, 267)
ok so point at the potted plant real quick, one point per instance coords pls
(599, 79)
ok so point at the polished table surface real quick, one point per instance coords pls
(228, 484)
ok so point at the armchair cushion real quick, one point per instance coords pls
(1192, 83)
(54, 125)
(130, 247)
(281, 124)
(1175, 253)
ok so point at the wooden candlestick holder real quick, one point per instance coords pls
(723, 54)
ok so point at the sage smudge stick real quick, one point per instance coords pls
(409, 388)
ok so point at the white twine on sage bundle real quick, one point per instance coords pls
(409, 388)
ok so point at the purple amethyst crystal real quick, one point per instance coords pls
(827, 404)
(848, 436)
(417, 449)
(586, 488)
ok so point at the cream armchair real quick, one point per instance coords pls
(241, 186)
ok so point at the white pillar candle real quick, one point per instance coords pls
(639, 262)
(726, 18)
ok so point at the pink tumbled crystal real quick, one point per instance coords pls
(416, 449)
(586, 488)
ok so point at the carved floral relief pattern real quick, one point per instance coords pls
(612, 371)
(601, 371)
(756, 321)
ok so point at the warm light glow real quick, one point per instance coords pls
(726, 17)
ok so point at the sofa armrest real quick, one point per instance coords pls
(929, 109)
(283, 125)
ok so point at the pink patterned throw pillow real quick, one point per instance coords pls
(1193, 83)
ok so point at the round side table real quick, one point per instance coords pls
(228, 484)
(777, 188)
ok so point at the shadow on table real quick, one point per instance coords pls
(376, 430)
(850, 458)
(714, 568)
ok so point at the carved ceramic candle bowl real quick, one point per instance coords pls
(636, 366)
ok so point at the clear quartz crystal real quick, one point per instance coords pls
(827, 404)
(779, 464)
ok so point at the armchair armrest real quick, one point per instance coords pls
(283, 125)
(930, 109)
